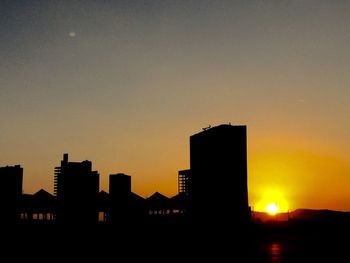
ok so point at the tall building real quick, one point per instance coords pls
(11, 182)
(126, 206)
(76, 187)
(119, 192)
(119, 185)
(184, 177)
(218, 169)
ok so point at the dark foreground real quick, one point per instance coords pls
(275, 243)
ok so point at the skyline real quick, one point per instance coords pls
(125, 84)
(279, 204)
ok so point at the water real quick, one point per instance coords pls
(174, 246)
(303, 249)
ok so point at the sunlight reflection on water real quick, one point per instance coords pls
(275, 251)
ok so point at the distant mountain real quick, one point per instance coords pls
(323, 214)
(304, 215)
(265, 217)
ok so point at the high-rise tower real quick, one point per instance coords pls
(218, 165)
(76, 187)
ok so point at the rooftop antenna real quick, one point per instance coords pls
(206, 128)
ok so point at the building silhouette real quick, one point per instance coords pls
(76, 187)
(158, 204)
(213, 191)
(103, 205)
(38, 208)
(125, 206)
(119, 185)
(184, 177)
(119, 192)
(218, 175)
(11, 182)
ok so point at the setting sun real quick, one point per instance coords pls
(272, 202)
(272, 209)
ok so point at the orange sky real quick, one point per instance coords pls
(125, 84)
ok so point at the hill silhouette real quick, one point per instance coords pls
(304, 214)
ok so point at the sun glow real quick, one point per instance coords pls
(272, 202)
(272, 209)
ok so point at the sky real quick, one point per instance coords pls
(125, 83)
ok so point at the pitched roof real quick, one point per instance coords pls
(136, 197)
(42, 194)
(157, 201)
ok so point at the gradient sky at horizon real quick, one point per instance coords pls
(125, 83)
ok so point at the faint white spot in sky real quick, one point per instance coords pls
(72, 34)
(301, 100)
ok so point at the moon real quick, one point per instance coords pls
(72, 34)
